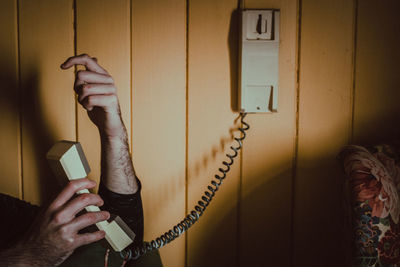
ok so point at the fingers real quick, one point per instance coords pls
(93, 77)
(86, 220)
(74, 206)
(87, 79)
(85, 60)
(68, 191)
(105, 102)
(95, 89)
(94, 86)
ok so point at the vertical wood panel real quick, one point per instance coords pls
(324, 127)
(103, 31)
(377, 94)
(159, 104)
(9, 102)
(212, 84)
(46, 39)
(266, 199)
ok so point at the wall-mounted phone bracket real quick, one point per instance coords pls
(259, 61)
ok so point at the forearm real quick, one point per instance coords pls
(119, 185)
(117, 172)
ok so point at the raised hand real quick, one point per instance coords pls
(97, 93)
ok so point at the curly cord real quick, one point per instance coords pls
(194, 215)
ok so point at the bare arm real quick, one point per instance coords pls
(97, 93)
(117, 172)
(119, 185)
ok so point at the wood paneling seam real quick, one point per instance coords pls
(75, 68)
(186, 124)
(238, 210)
(130, 76)
(354, 59)
(21, 177)
(241, 6)
(296, 136)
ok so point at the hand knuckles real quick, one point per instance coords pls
(64, 231)
(92, 217)
(67, 237)
(85, 89)
(80, 74)
(86, 198)
(90, 100)
(59, 218)
(73, 185)
(85, 103)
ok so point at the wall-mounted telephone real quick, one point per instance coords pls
(259, 61)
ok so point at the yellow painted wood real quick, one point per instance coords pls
(10, 181)
(377, 94)
(46, 39)
(159, 100)
(324, 127)
(266, 193)
(103, 31)
(212, 78)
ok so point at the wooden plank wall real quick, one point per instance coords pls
(210, 118)
(159, 116)
(108, 39)
(376, 105)
(48, 104)
(325, 98)
(175, 66)
(10, 134)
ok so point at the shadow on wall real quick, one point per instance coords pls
(263, 235)
(36, 133)
(165, 196)
(233, 40)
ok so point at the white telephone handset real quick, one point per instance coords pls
(68, 162)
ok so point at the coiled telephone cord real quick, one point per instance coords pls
(194, 215)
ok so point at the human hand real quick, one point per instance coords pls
(97, 93)
(55, 235)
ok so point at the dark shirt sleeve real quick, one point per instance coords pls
(128, 207)
(17, 217)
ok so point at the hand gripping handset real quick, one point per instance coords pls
(68, 162)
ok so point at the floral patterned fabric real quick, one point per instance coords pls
(374, 181)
